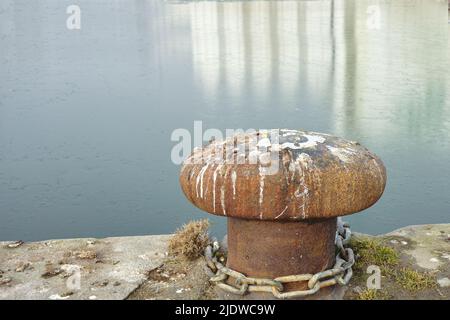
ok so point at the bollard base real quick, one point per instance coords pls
(270, 249)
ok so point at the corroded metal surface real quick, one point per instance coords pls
(316, 176)
(282, 191)
(270, 249)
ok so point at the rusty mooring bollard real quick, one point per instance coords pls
(282, 197)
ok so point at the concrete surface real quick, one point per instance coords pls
(109, 268)
(422, 248)
(428, 246)
(139, 268)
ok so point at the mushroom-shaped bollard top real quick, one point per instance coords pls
(281, 175)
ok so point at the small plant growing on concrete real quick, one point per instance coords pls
(190, 240)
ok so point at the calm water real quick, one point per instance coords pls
(86, 116)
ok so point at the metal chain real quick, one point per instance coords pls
(341, 272)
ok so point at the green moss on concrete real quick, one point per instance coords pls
(413, 280)
(373, 294)
(374, 252)
(371, 252)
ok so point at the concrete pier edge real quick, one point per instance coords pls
(121, 267)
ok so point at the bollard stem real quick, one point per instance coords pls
(269, 249)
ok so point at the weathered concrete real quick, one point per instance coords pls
(138, 268)
(423, 248)
(109, 268)
(428, 245)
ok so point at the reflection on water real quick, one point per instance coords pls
(86, 116)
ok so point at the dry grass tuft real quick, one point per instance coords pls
(190, 240)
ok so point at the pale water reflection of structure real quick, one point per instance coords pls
(329, 48)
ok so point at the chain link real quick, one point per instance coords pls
(341, 272)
